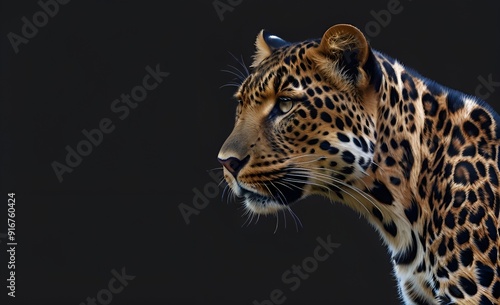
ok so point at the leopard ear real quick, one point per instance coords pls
(265, 44)
(344, 48)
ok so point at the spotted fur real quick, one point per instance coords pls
(335, 118)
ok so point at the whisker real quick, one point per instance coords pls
(282, 198)
(311, 161)
(355, 189)
(241, 76)
(230, 85)
(295, 218)
(215, 169)
(303, 173)
(377, 165)
(224, 192)
(324, 168)
(246, 213)
(270, 193)
(318, 175)
(302, 156)
(324, 175)
(274, 198)
(277, 222)
(233, 196)
(249, 219)
(291, 185)
(257, 220)
(231, 72)
(284, 217)
(242, 63)
(335, 171)
(287, 186)
(221, 181)
(340, 189)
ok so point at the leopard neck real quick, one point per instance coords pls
(391, 206)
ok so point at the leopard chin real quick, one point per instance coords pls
(279, 195)
(266, 207)
(279, 198)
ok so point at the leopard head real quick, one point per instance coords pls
(305, 121)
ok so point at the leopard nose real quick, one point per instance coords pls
(234, 165)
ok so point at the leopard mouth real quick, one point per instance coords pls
(250, 195)
(260, 204)
(255, 199)
(280, 196)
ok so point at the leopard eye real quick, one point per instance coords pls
(285, 104)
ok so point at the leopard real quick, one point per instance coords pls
(336, 118)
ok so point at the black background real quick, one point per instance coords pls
(120, 206)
